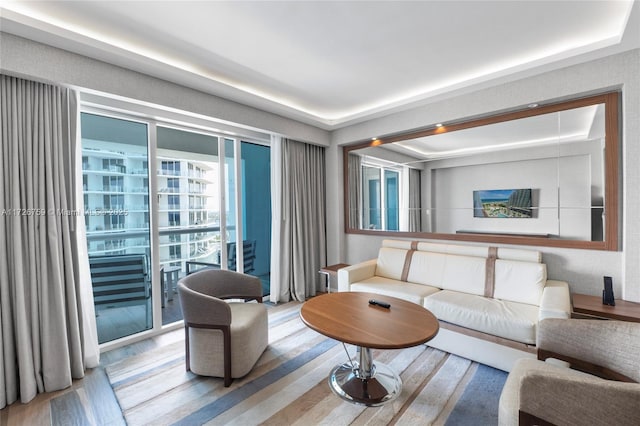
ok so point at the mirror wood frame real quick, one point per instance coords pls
(611, 164)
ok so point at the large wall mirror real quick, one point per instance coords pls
(546, 175)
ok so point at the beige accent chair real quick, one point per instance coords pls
(223, 338)
(606, 390)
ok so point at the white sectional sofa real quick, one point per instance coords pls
(488, 300)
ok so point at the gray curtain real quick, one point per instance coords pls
(415, 203)
(41, 344)
(355, 186)
(298, 229)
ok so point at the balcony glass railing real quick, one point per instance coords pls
(166, 172)
(142, 172)
(115, 168)
(113, 188)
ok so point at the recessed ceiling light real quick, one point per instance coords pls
(533, 105)
(374, 138)
(439, 125)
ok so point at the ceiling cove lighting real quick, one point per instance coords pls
(499, 147)
(527, 60)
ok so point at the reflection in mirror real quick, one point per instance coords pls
(541, 176)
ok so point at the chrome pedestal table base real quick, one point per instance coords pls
(365, 382)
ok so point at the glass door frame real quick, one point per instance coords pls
(152, 124)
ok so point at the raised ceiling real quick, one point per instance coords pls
(331, 63)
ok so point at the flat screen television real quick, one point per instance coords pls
(502, 203)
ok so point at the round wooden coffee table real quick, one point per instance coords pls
(350, 318)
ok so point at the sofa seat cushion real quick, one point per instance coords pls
(402, 290)
(509, 320)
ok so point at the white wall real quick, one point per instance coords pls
(583, 269)
(453, 189)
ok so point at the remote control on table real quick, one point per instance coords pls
(379, 303)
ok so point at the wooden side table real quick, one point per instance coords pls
(585, 306)
(331, 271)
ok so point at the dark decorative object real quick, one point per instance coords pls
(607, 293)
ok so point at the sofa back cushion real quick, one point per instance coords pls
(521, 282)
(390, 262)
(427, 268)
(477, 251)
(464, 268)
(465, 274)
(449, 272)
(400, 244)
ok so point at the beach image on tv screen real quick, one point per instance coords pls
(502, 203)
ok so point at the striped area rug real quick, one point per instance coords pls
(288, 386)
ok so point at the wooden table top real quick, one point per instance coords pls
(333, 269)
(592, 305)
(348, 317)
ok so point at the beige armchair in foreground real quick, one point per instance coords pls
(222, 338)
(605, 392)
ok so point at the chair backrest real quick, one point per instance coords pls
(223, 284)
(119, 279)
(248, 255)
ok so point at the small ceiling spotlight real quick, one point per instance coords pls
(439, 124)
(533, 105)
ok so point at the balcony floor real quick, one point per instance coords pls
(117, 322)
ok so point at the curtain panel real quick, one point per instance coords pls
(415, 200)
(355, 186)
(298, 240)
(44, 337)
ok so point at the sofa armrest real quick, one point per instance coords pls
(578, 399)
(355, 273)
(555, 301)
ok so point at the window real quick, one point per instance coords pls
(113, 183)
(174, 202)
(173, 184)
(170, 168)
(114, 202)
(381, 198)
(175, 252)
(113, 165)
(174, 219)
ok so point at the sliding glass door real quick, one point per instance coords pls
(188, 206)
(256, 211)
(163, 201)
(115, 178)
(381, 198)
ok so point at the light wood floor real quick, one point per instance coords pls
(89, 401)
